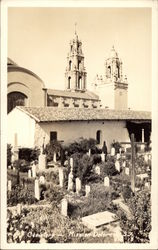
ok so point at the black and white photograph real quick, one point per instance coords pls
(79, 116)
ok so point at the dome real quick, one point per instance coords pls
(10, 62)
(113, 53)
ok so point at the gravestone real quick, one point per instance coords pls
(9, 167)
(61, 177)
(118, 156)
(9, 185)
(127, 171)
(42, 179)
(18, 208)
(33, 170)
(13, 168)
(15, 150)
(64, 207)
(37, 191)
(117, 166)
(55, 157)
(42, 160)
(70, 181)
(120, 151)
(147, 185)
(149, 156)
(71, 163)
(87, 189)
(97, 170)
(146, 158)
(89, 152)
(29, 173)
(78, 185)
(103, 157)
(106, 181)
(124, 164)
(112, 151)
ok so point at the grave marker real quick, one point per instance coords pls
(42, 179)
(70, 181)
(42, 161)
(64, 207)
(97, 170)
(117, 166)
(124, 164)
(103, 157)
(55, 157)
(9, 185)
(106, 181)
(71, 163)
(112, 151)
(118, 156)
(127, 171)
(61, 177)
(29, 173)
(78, 185)
(87, 189)
(33, 170)
(18, 208)
(37, 191)
(89, 152)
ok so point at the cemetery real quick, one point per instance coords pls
(79, 193)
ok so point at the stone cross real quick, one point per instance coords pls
(117, 166)
(106, 181)
(9, 185)
(103, 157)
(97, 170)
(33, 170)
(88, 189)
(61, 177)
(64, 207)
(70, 181)
(29, 173)
(78, 185)
(112, 151)
(55, 157)
(37, 191)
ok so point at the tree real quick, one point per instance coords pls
(9, 154)
(137, 228)
(53, 146)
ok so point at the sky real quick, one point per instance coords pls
(38, 39)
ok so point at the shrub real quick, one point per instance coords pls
(117, 146)
(22, 165)
(53, 146)
(29, 154)
(96, 159)
(127, 193)
(9, 154)
(108, 168)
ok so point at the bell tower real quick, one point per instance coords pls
(75, 75)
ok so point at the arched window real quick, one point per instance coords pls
(70, 65)
(69, 82)
(80, 82)
(99, 136)
(118, 71)
(16, 99)
(79, 65)
(109, 71)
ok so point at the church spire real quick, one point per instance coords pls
(75, 75)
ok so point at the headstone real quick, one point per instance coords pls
(87, 189)
(55, 157)
(78, 185)
(42, 179)
(149, 156)
(112, 151)
(70, 181)
(127, 171)
(120, 150)
(147, 184)
(42, 160)
(118, 156)
(97, 170)
(18, 208)
(106, 181)
(117, 166)
(9, 185)
(37, 191)
(13, 168)
(29, 173)
(146, 158)
(61, 177)
(71, 162)
(89, 152)
(64, 207)
(9, 167)
(33, 170)
(103, 157)
(124, 164)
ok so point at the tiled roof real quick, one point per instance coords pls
(48, 114)
(65, 93)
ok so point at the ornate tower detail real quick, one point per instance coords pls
(75, 75)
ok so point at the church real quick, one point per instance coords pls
(38, 115)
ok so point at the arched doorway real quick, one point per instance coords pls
(16, 99)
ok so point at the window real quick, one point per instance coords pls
(53, 136)
(80, 83)
(16, 99)
(109, 71)
(69, 82)
(70, 64)
(98, 136)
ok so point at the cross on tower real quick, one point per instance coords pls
(133, 152)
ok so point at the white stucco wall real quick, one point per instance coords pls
(70, 131)
(106, 95)
(20, 123)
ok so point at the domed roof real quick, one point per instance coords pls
(10, 62)
(113, 53)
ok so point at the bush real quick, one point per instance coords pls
(20, 195)
(29, 154)
(53, 146)
(22, 165)
(127, 193)
(117, 146)
(9, 154)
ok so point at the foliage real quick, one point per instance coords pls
(108, 168)
(137, 228)
(29, 154)
(96, 159)
(50, 175)
(20, 195)
(22, 165)
(9, 154)
(117, 146)
(127, 192)
(54, 194)
(53, 146)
